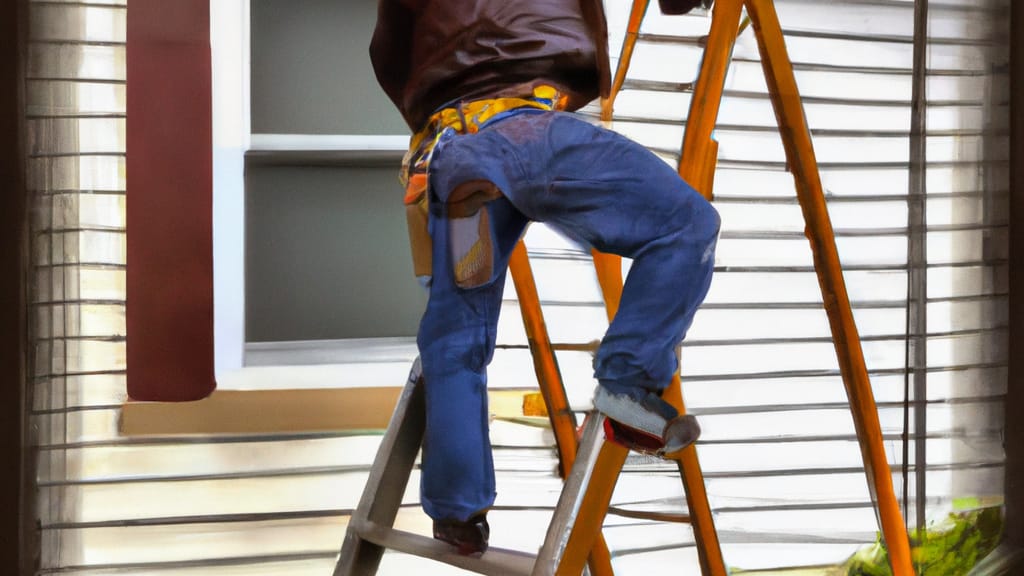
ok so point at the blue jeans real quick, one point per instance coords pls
(598, 188)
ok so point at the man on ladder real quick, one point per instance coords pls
(487, 87)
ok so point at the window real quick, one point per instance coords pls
(327, 271)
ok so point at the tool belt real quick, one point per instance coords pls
(462, 118)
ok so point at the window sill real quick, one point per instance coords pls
(289, 410)
(288, 387)
(264, 411)
(326, 150)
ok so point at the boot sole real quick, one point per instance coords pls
(651, 416)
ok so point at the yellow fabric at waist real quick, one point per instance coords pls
(467, 118)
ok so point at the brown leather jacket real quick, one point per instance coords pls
(427, 53)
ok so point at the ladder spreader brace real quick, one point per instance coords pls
(574, 536)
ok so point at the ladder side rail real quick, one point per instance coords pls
(386, 484)
(709, 550)
(579, 514)
(697, 162)
(594, 505)
(549, 377)
(698, 155)
(552, 387)
(802, 163)
(696, 166)
(709, 547)
(636, 17)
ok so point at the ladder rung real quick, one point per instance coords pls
(657, 85)
(671, 39)
(655, 515)
(496, 561)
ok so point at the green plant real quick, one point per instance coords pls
(949, 548)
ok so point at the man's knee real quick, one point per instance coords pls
(712, 220)
(695, 220)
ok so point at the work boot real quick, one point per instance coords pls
(642, 421)
(468, 537)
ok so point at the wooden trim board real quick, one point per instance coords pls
(284, 410)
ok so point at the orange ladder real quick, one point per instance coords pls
(697, 163)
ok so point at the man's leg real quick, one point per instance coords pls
(614, 195)
(473, 236)
(611, 193)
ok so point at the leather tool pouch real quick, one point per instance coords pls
(470, 235)
(416, 211)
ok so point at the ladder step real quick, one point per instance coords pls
(657, 85)
(496, 561)
(656, 515)
(672, 39)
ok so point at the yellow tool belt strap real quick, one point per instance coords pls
(467, 118)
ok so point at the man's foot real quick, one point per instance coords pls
(645, 422)
(469, 537)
